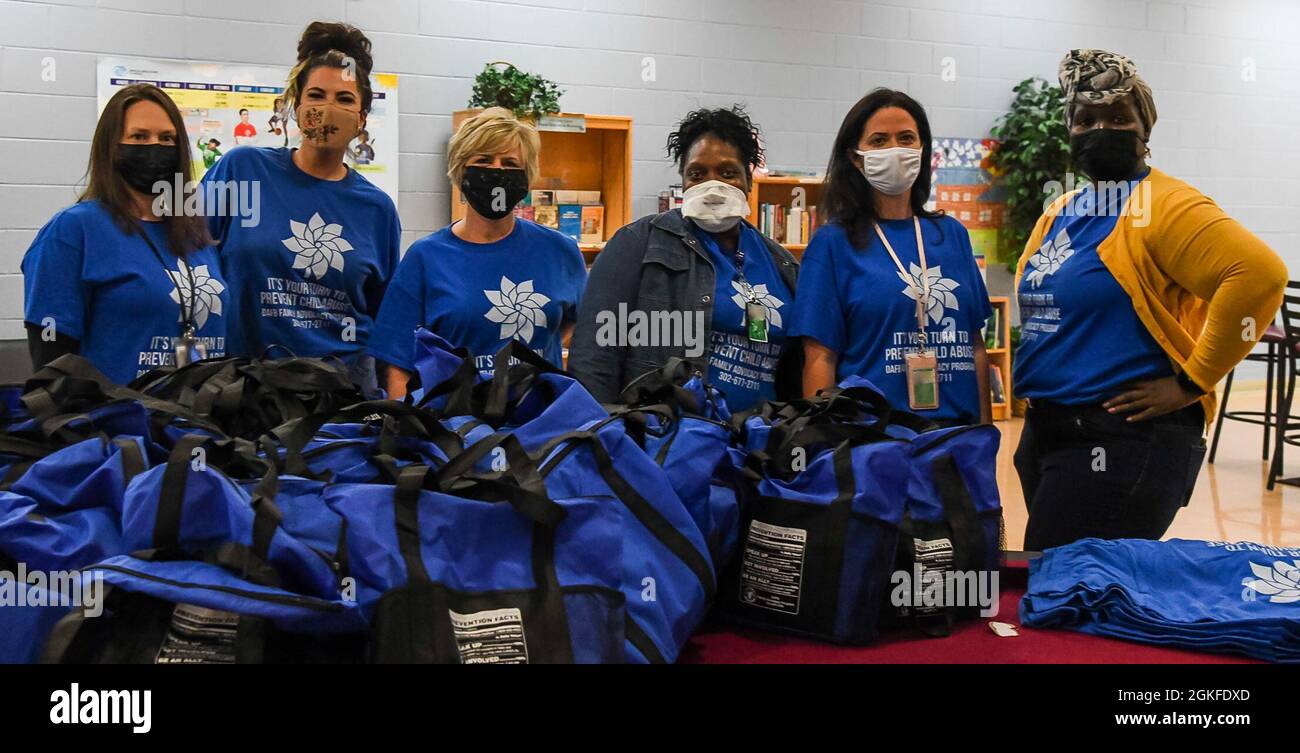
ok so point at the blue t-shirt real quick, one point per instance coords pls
(855, 302)
(480, 296)
(109, 290)
(309, 274)
(743, 370)
(1081, 341)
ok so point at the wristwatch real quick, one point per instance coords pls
(1187, 384)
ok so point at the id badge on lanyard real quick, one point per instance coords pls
(922, 375)
(188, 348)
(755, 321)
(921, 365)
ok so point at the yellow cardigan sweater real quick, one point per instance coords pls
(1204, 286)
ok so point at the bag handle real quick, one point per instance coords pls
(504, 376)
(296, 434)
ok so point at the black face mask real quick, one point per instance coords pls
(143, 165)
(493, 191)
(1105, 154)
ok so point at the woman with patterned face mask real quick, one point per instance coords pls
(725, 289)
(308, 270)
(1136, 293)
(889, 291)
(489, 278)
(120, 277)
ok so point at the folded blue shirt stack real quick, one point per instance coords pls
(1239, 598)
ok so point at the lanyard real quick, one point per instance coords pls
(186, 304)
(923, 295)
(738, 257)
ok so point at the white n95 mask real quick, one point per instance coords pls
(715, 206)
(891, 171)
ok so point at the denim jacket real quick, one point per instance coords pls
(657, 264)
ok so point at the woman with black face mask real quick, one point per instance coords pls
(491, 277)
(1137, 295)
(123, 277)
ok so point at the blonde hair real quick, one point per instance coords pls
(492, 131)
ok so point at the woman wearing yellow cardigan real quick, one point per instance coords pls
(1137, 295)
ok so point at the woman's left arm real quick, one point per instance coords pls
(1216, 259)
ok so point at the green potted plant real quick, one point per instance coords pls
(1033, 149)
(528, 95)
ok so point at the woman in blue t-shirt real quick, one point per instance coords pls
(489, 278)
(698, 283)
(120, 277)
(308, 244)
(889, 291)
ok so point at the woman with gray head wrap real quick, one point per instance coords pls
(1103, 87)
(1133, 294)
(1097, 77)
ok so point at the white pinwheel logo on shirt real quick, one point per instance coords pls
(517, 308)
(1048, 259)
(762, 297)
(1281, 582)
(207, 292)
(941, 290)
(317, 246)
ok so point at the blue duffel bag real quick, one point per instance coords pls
(825, 498)
(65, 511)
(456, 566)
(683, 424)
(667, 573)
(953, 522)
(160, 611)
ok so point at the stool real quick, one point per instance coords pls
(1274, 338)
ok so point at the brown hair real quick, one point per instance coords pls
(106, 185)
(333, 44)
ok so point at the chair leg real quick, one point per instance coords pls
(1223, 409)
(1283, 420)
(1268, 397)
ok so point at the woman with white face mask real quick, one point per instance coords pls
(889, 291)
(725, 290)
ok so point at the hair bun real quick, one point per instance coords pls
(322, 36)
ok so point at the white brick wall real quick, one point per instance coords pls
(798, 65)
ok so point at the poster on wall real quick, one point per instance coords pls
(963, 187)
(226, 105)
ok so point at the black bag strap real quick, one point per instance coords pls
(459, 388)
(548, 624)
(506, 375)
(969, 543)
(519, 485)
(133, 463)
(664, 386)
(171, 500)
(411, 419)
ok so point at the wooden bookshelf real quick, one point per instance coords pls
(782, 189)
(598, 160)
(1001, 355)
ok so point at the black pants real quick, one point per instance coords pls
(1086, 472)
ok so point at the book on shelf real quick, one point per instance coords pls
(570, 221)
(787, 225)
(548, 215)
(993, 330)
(997, 388)
(593, 223)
